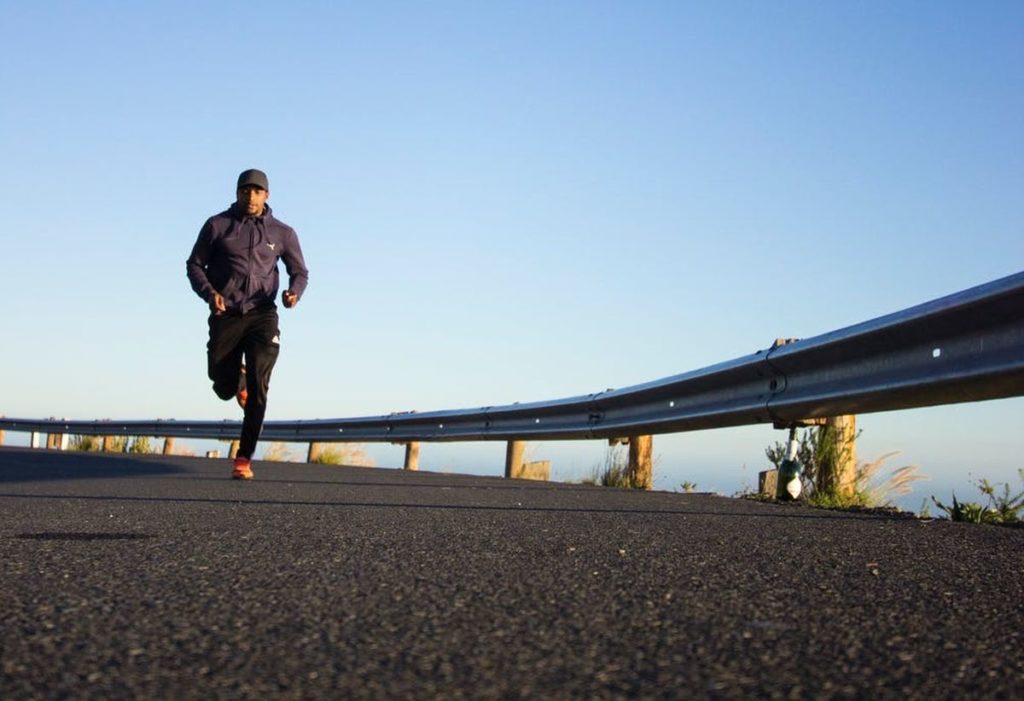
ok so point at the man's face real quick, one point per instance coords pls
(252, 199)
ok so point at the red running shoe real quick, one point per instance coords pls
(243, 469)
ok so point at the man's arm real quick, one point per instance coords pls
(195, 269)
(298, 275)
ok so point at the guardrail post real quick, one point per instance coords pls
(1, 437)
(839, 470)
(412, 455)
(514, 459)
(848, 472)
(34, 442)
(314, 452)
(168, 446)
(108, 444)
(640, 461)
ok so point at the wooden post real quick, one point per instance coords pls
(233, 451)
(1, 437)
(412, 456)
(168, 445)
(768, 483)
(514, 459)
(845, 428)
(108, 444)
(837, 460)
(52, 441)
(640, 467)
(314, 452)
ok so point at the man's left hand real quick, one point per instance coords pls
(289, 299)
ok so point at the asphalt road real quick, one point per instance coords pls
(160, 578)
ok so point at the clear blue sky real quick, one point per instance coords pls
(507, 202)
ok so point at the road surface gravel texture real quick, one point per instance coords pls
(150, 577)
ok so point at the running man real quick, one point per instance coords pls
(233, 268)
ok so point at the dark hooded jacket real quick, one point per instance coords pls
(236, 255)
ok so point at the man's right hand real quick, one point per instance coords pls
(217, 305)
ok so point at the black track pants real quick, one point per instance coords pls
(255, 336)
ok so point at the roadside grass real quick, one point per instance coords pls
(351, 454)
(614, 471)
(142, 445)
(139, 445)
(871, 487)
(820, 450)
(329, 454)
(278, 452)
(1002, 508)
(86, 444)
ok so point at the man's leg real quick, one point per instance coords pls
(261, 345)
(224, 353)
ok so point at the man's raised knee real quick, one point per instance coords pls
(224, 392)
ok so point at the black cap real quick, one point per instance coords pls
(254, 177)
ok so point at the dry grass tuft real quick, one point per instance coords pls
(870, 488)
(351, 454)
(279, 452)
(882, 492)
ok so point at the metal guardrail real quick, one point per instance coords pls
(965, 347)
